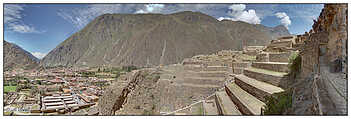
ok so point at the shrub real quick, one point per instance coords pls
(129, 68)
(278, 103)
(295, 64)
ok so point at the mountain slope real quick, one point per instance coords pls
(16, 57)
(153, 39)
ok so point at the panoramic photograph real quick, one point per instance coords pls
(78, 59)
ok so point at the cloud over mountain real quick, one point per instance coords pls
(284, 18)
(238, 13)
(39, 55)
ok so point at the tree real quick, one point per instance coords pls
(33, 91)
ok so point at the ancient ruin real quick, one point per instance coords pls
(303, 74)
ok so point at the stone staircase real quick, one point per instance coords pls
(225, 104)
(245, 94)
(238, 67)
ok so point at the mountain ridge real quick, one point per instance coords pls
(17, 57)
(154, 39)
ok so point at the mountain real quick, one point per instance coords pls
(16, 57)
(153, 39)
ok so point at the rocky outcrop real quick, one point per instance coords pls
(154, 39)
(116, 95)
(130, 95)
(16, 57)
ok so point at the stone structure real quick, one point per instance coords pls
(324, 60)
(328, 37)
(253, 50)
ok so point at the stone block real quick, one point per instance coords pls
(274, 66)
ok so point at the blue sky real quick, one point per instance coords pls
(39, 28)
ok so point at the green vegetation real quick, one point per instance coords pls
(10, 88)
(201, 110)
(7, 113)
(129, 68)
(278, 103)
(34, 90)
(10, 83)
(294, 64)
(147, 112)
(87, 74)
(113, 71)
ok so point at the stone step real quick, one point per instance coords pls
(279, 57)
(271, 77)
(205, 80)
(207, 73)
(208, 68)
(246, 103)
(241, 64)
(256, 88)
(200, 85)
(280, 44)
(192, 63)
(225, 104)
(237, 70)
(214, 63)
(210, 107)
(184, 94)
(274, 66)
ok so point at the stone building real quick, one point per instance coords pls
(324, 65)
(327, 38)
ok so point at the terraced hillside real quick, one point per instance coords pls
(206, 85)
(244, 95)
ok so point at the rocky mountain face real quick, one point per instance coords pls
(16, 57)
(154, 39)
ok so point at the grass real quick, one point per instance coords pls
(10, 88)
(36, 107)
(267, 71)
(7, 113)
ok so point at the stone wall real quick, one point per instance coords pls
(279, 57)
(271, 79)
(279, 67)
(262, 57)
(253, 50)
(238, 67)
(329, 35)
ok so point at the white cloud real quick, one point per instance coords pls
(237, 7)
(226, 18)
(39, 55)
(22, 28)
(12, 13)
(13, 19)
(154, 7)
(238, 13)
(79, 17)
(140, 12)
(284, 18)
(151, 8)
